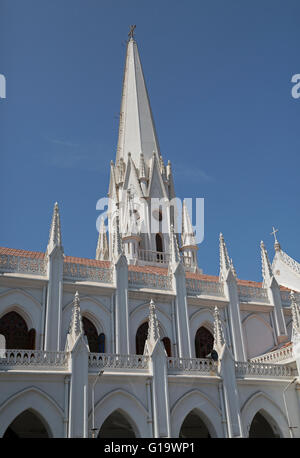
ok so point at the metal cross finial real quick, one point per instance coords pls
(131, 31)
(274, 233)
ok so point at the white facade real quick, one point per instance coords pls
(141, 275)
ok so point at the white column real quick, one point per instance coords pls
(78, 409)
(181, 311)
(231, 293)
(54, 300)
(121, 306)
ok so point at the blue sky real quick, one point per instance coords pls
(219, 77)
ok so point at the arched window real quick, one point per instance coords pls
(141, 337)
(204, 342)
(116, 426)
(167, 343)
(26, 425)
(15, 331)
(101, 341)
(91, 334)
(260, 427)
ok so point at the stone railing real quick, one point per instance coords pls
(22, 264)
(147, 280)
(116, 361)
(75, 271)
(203, 365)
(33, 359)
(281, 354)
(252, 294)
(153, 256)
(209, 288)
(244, 369)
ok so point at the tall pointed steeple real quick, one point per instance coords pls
(267, 272)
(226, 263)
(102, 245)
(187, 234)
(55, 231)
(136, 129)
(76, 326)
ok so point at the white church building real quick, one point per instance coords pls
(139, 342)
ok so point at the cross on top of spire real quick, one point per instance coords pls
(131, 32)
(274, 233)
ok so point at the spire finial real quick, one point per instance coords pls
(76, 327)
(267, 272)
(131, 32)
(102, 251)
(55, 230)
(224, 258)
(153, 329)
(219, 339)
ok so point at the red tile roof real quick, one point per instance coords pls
(203, 277)
(87, 262)
(23, 253)
(106, 264)
(149, 269)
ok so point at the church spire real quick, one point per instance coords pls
(187, 233)
(55, 230)
(267, 272)
(136, 129)
(102, 245)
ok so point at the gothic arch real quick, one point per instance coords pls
(198, 402)
(261, 402)
(23, 303)
(259, 341)
(133, 410)
(140, 315)
(95, 312)
(204, 341)
(201, 318)
(44, 406)
(15, 330)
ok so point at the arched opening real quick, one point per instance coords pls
(159, 247)
(15, 331)
(101, 340)
(116, 426)
(204, 342)
(141, 337)
(26, 425)
(96, 343)
(167, 343)
(260, 427)
(194, 427)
